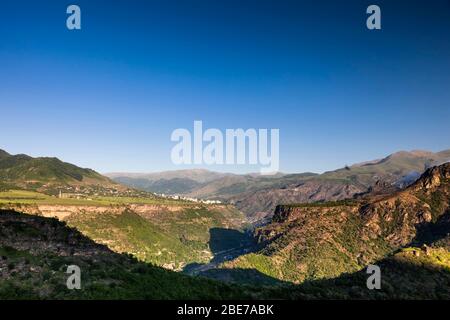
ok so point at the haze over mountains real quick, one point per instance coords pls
(169, 182)
(257, 196)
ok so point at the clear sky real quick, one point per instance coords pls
(109, 96)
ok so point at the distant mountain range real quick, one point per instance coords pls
(169, 182)
(257, 196)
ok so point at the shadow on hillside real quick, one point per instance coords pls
(434, 231)
(251, 277)
(222, 240)
(225, 245)
(400, 279)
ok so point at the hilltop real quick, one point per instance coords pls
(50, 175)
(24, 168)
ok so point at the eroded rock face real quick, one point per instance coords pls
(308, 219)
(282, 214)
(397, 217)
(288, 213)
(257, 204)
(394, 219)
(62, 212)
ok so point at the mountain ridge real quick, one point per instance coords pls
(257, 196)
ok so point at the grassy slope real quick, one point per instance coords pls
(169, 238)
(24, 168)
(14, 196)
(130, 233)
(395, 165)
(410, 273)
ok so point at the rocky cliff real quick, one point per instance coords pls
(323, 240)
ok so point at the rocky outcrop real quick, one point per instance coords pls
(62, 212)
(433, 178)
(257, 204)
(287, 213)
(398, 217)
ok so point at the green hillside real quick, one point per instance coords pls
(168, 238)
(45, 174)
(390, 168)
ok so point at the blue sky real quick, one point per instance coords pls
(109, 96)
